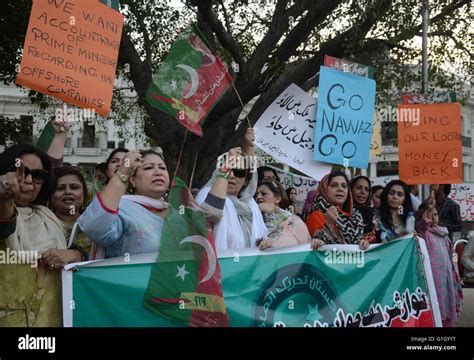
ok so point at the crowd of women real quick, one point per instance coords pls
(46, 208)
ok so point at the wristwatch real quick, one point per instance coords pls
(123, 177)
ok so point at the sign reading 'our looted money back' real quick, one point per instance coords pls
(430, 143)
(70, 52)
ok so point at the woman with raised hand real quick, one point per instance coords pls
(122, 224)
(241, 223)
(396, 216)
(284, 227)
(332, 219)
(27, 225)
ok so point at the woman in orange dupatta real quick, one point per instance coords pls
(333, 220)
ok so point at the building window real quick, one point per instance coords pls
(121, 144)
(88, 137)
(111, 144)
(389, 133)
(387, 168)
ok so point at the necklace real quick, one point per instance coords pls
(397, 226)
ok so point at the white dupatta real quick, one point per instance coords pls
(228, 232)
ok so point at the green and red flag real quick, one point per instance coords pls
(185, 282)
(389, 285)
(190, 81)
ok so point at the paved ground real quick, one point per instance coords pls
(467, 316)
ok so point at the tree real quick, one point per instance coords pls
(275, 43)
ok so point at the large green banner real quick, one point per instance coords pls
(389, 285)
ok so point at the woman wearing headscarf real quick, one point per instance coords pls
(361, 191)
(440, 250)
(284, 227)
(309, 203)
(333, 219)
(30, 296)
(241, 224)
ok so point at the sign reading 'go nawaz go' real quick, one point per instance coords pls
(344, 118)
(70, 52)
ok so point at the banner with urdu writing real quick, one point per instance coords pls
(389, 285)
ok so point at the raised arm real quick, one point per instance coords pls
(249, 139)
(219, 188)
(9, 192)
(61, 130)
(118, 184)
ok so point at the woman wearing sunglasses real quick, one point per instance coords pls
(284, 228)
(332, 219)
(241, 223)
(27, 225)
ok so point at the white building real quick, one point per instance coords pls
(90, 140)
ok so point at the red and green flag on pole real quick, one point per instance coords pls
(185, 283)
(190, 81)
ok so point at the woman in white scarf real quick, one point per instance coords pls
(31, 295)
(241, 224)
(25, 223)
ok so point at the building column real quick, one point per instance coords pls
(466, 172)
(373, 169)
(363, 172)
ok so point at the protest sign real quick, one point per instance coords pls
(430, 143)
(70, 52)
(382, 180)
(259, 286)
(463, 195)
(345, 113)
(349, 66)
(302, 184)
(435, 97)
(376, 143)
(286, 131)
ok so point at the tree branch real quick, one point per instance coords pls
(225, 39)
(317, 12)
(140, 72)
(300, 71)
(226, 17)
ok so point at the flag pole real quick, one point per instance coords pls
(241, 103)
(194, 168)
(180, 153)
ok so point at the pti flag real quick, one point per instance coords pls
(190, 81)
(389, 285)
(185, 282)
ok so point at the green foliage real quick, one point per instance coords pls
(15, 131)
